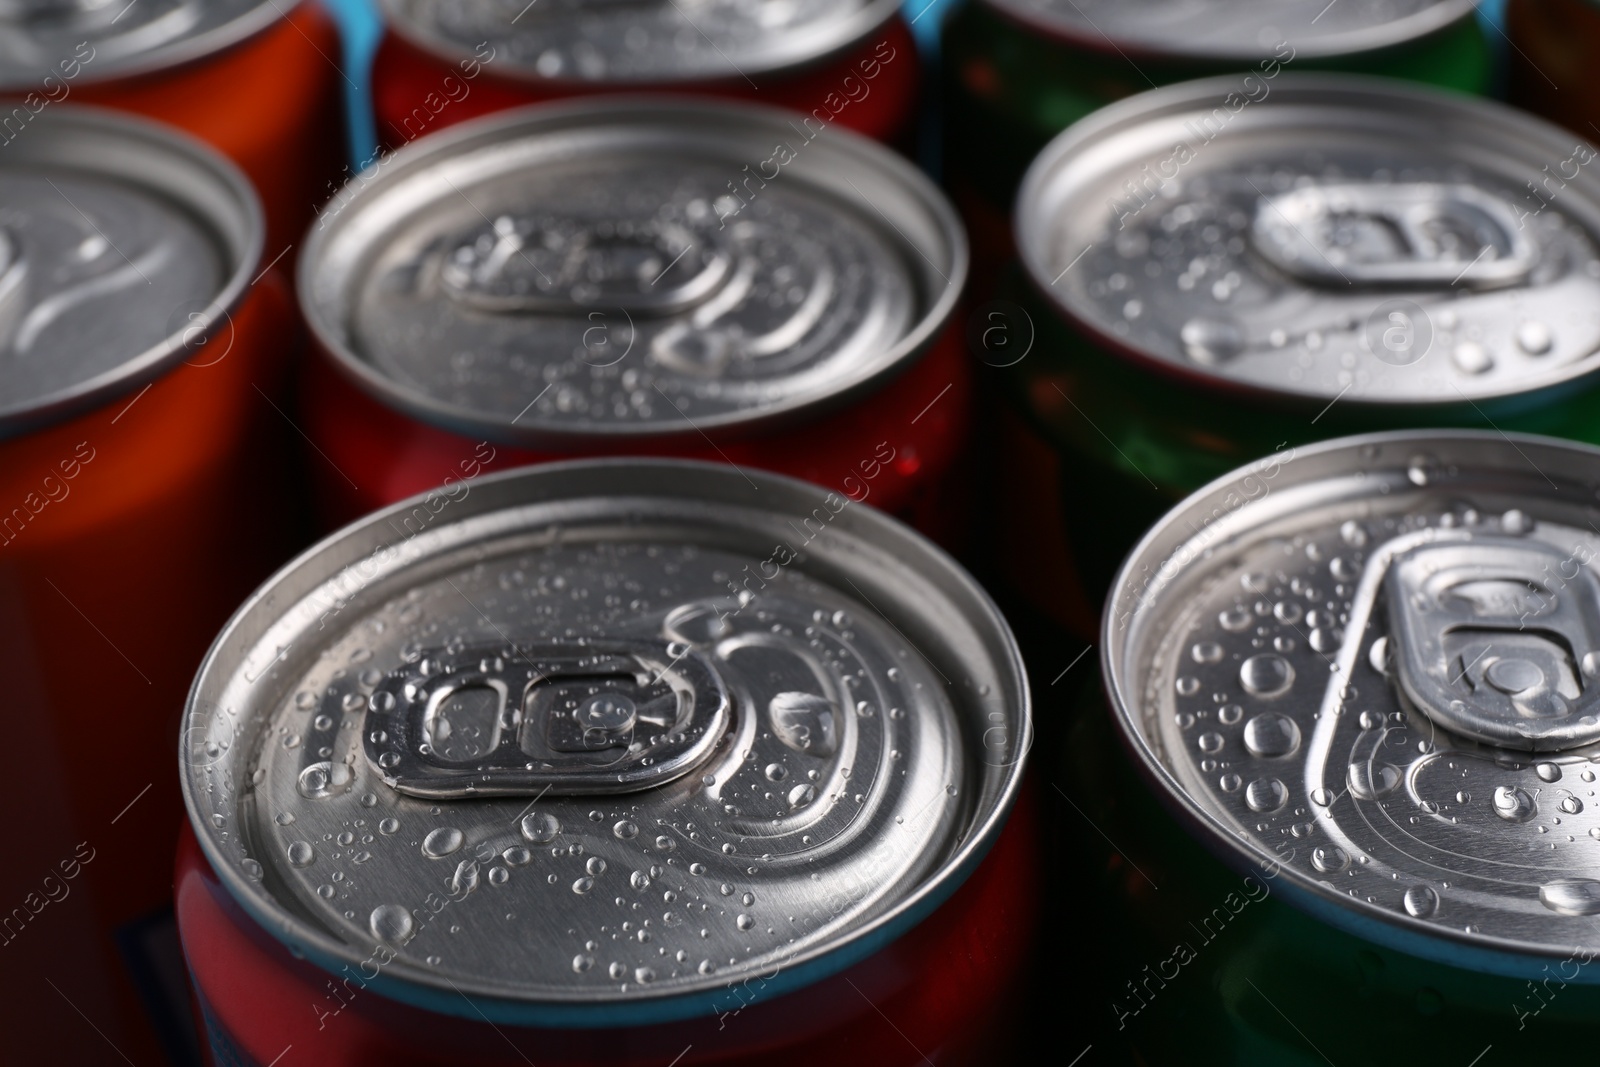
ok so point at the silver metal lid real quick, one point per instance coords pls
(639, 42)
(621, 268)
(123, 244)
(1376, 662)
(1337, 237)
(82, 41)
(1237, 30)
(605, 734)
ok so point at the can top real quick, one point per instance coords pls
(121, 244)
(80, 41)
(605, 734)
(1376, 663)
(1324, 236)
(638, 42)
(1230, 31)
(620, 267)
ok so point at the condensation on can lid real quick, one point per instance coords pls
(1230, 31)
(638, 42)
(1324, 236)
(1371, 669)
(606, 733)
(123, 246)
(72, 42)
(626, 268)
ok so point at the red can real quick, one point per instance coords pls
(258, 79)
(137, 489)
(1555, 45)
(613, 763)
(853, 63)
(627, 276)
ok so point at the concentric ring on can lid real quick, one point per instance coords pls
(1230, 31)
(1371, 668)
(71, 42)
(655, 42)
(596, 742)
(1322, 236)
(630, 268)
(124, 246)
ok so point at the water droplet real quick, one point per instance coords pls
(1321, 797)
(540, 827)
(744, 922)
(1266, 676)
(805, 722)
(301, 854)
(388, 826)
(1211, 342)
(1188, 687)
(1287, 611)
(625, 830)
(391, 923)
(321, 780)
(1514, 804)
(1516, 522)
(596, 866)
(1271, 735)
(1230, 782)
(1369, 781)
(665, 843)
(1570, 804)
(801, 795)
(1265, 794)
(465, 880)
(1206, 652)
(1210, 742)
(1534, 338)
(1421, 901)
(583, 885)
(639, 880)
(517, 856)
(1472, 358)
(442, 842)
(707, 967)
(776, 772)
(1330, 859)
(1234, 620)
(1571, 896)
(1229, 714)
(581, 963)
(1324, 640)
(1547, 772)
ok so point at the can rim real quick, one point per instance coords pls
(1029, 236)
(492, 1002)
(243, 242)
(872, 16)
(1442, 944)
(182, 52)
(623, 111)
(1393, 34)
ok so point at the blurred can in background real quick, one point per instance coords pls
(850, 62)
(627, 276)
(1360, 822)
(137, 498)
(609, 766)
(257, 79)
(1550, 66)
(1214, 286)
(1017, 72)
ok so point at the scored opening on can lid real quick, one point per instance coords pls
(1231, 31)
(632, 268)
(605, 735)
(641, 42)
(1374, 664)
(123, 246)
(1324, 236)
(75, 42)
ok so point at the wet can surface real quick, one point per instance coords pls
(1555, 46)
(625, 746)
(1017, 72)
(604, 277)
(137, 493)
(1211, 287)
(257, 79)
(851, 63)
(1370, 694)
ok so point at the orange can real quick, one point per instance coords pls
(258, 79)
(139, 502)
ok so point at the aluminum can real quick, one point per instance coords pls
(257, 79)
(607, 753)
(1360, 715)
(1554, 47)
(851, 63)
(1211, 286)
(1018, 72)
(634, 276)
(138, 496)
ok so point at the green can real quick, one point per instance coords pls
(1017, 72)
(1338, 804)
(1210, 281)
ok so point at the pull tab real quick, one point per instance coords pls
(560, 264)
(606, 717)
(1492, 639)
(1407, 234)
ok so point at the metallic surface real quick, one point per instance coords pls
(1334, 236)
(122, 245)
(877, 722)
(493, 279)
(1372, 664)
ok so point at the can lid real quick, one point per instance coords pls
(1324, 236)
(605, 734)
(81, 41)
(630, 268)
(637, 42)
(1231, 31)
(123, 244)
(1375, 662)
